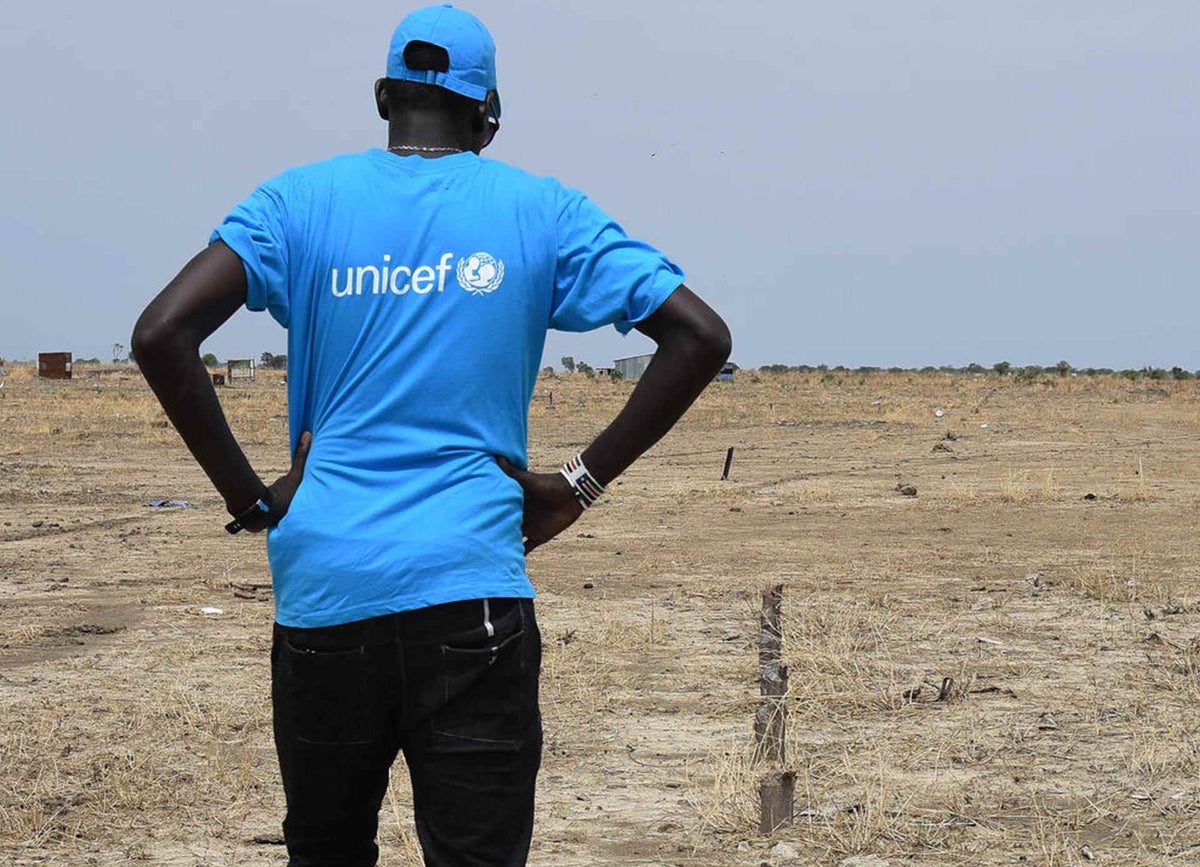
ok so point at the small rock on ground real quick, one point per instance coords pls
(784, 853)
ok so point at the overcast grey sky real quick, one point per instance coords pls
(884, 183)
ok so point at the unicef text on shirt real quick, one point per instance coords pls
(387, 278)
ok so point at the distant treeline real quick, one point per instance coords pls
(1028, 373)
(267, 359)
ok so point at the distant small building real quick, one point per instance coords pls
(726, 374)
(240, 368)
(54, 365)
(605, 371)
(632, 367)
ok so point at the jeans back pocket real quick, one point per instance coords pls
(325, 696)
(487, 693)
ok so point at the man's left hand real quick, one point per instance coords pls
(550, 504)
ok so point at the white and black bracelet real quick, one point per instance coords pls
(587, 489)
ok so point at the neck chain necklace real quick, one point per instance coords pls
(425, 150)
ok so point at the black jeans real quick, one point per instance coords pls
(455, 687)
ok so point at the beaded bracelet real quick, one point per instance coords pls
(587, 490)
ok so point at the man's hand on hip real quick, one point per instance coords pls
(284, 488)
(550, 504)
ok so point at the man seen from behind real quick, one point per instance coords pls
(416, 284)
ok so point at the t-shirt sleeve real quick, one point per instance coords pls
(603, 276)
(256, 231)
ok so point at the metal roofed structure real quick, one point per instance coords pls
(632, 367)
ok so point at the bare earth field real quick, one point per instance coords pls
(136, 728)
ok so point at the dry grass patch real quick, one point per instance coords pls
(152, 743)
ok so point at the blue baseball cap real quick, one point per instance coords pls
(472, 52)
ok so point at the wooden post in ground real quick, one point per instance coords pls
(770, 721)
(728, 464)
(777, 789)
(777, 793)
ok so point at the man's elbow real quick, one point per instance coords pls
(711, 340)
(692, 328)
(153, 336)
(146, 339)
(718, 340)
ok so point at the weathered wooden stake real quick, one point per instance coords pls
(777, 792)
(777, 788)
(728, 464)
(770, 721)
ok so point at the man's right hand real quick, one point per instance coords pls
(550, 504)
(284, 488)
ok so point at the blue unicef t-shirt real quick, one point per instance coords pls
(416, 294)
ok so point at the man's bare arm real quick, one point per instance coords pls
(693, 344)
(166, 343)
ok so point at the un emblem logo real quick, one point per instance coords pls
(480, 273)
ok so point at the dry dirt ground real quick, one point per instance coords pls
(1046, 566)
